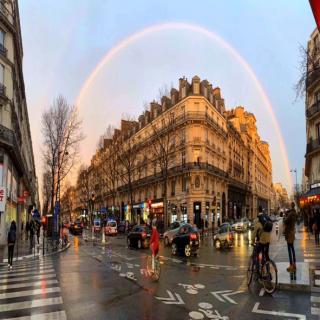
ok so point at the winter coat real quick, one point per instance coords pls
(11, 236)
(290, 226)
(262, 236)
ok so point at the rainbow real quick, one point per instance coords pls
(209, 34)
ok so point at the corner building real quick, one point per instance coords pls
(17, 169)
(219, 168)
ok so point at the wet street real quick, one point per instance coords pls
(94, 281)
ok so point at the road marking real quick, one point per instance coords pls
(28, 293)
(174, 298)
(61, 315)
(223, 296)
(30, 304)
(315, 311)
(34, 266)
(317, 272)
(34, 269)
(29, 284)
(26, 273)
(41, 277)
(277, 313)
(312, 260)
(262, 291)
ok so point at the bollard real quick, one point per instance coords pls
(103, 237)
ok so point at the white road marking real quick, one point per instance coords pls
(34, 266)
(29, 284)
(30, 304)
(262, 291)
(317, 272)
(26, 293)
(312, 260)
(26, 273)
(40, 277)
(57, 315)
(224, 295)
(172, 299)
(277, 313)
(216, 294)
(35, 269)
(315, 311)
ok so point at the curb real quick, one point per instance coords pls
(38, 255)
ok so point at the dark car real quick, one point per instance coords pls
(186, 241)
(121, 227)
(76, 227)
(139, 237)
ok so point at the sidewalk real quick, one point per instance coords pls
(22, 250)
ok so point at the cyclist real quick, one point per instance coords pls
(261, 237)
(154, 242)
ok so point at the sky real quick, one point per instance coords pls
(64, 41)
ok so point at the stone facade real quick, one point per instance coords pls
(186, 158)
(17, 169)
(312, 163)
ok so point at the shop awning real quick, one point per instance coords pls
(311, 197)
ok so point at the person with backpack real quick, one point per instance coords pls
(289, 233)
(261, 235)
(11, 242)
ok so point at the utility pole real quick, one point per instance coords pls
(296, 185)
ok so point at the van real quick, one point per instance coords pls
(111, 228)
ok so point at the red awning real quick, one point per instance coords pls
(315, 6)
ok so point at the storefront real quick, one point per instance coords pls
(236, 202)
(157, 211)
(184, 213)
(174, 214)
(310, 200)
(141, 212)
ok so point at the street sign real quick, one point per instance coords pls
(3, 199)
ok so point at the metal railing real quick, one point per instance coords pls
(313, 145)
(3, 50)
(313, 109)
(313, 76)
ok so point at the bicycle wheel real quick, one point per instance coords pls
(269, 276)
(250, 271)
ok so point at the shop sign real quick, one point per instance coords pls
(157, 205)
(3, 199)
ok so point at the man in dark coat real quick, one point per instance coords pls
(11, 242)
(289, 232)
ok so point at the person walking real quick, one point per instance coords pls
(11, 242)
(317, 223)
(38, 232)
(32, 232)
(289, 232)
(27, 229)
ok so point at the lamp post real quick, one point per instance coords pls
(296, 185)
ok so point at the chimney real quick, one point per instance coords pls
(166, 103)
(196, 85)
(174, 96)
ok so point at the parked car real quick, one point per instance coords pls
(171, 232)
(187, 241)
(121, 227)
(76, 227)
(242, 225)
(111, 228)
(139, 237)
(224, 238)
(97, 225)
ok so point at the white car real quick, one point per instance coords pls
(241, 225)
(171, 232)
(111, 228)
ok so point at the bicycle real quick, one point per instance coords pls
(154, 274)
(267, 272)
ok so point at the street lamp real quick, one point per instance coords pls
(296, 185)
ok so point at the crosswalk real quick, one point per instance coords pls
(31, 291)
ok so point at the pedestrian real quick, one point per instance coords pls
(317, 226)
(32, 232)
(27, 229)
(11, 241)
(290, 230)
(38, 231)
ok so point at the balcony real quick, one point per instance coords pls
(311, 111)
(6, 16)
(3, 50)
(3, 91)
(313, 77)
(312, 146)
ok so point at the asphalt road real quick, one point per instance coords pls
(95, 281)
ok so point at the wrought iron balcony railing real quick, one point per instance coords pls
(315, 108)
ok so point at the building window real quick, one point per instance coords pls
(173, 187)
(183, 158)
(184, 184)
(2, 35)
(1, 74)
(197, 182)
(317, 96)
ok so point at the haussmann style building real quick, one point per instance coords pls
(186, 158)
(17, 168)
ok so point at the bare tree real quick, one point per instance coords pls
(62, 134)
(309, 65)
(46, 191)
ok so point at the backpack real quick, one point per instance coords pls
(12, 236)
(266, 222)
